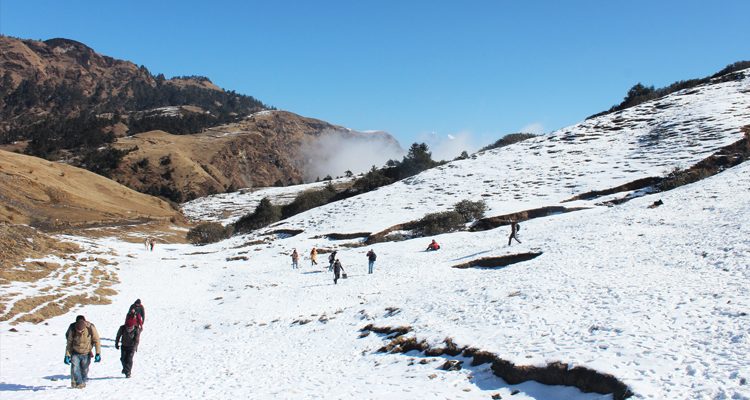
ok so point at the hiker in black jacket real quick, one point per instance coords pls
(371, 257)
(130, 334)
(331, 260)
(337, 269)
(514, 227)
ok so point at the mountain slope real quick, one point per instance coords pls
(267, 148)
(56, 196)
(651, 139)
(58, 79)
(60, 100)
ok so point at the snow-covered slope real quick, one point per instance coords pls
(651, 139)
(657, 297)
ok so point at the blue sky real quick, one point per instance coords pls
(421, 70)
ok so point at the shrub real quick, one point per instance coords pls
(471, 210)
(208, 232)
(372, 180)
(265, 214)
(102, 161)
(440, 222)
(507, 140)
(307, 200)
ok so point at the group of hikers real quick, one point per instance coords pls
(149, 242)
(82, 339)
(334, 263)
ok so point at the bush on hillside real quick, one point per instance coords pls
(639, 93)
(470, 210)
(265, 214)
(208, 232)
(372, 180)
(507, 140)
(440, 222)
(308, 200)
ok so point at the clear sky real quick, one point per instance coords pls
(474, 70)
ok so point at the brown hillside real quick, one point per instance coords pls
(62, 78)
(264, 149)
(54, 196)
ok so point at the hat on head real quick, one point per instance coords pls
(80, 318)
(138, 301)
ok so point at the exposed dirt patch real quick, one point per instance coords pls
(343, 236)
(555, 373)
(485, 224)
(21, 248)
(285, 232)
(27, 304)
(498, 262)
(20, 242)
(627, 187)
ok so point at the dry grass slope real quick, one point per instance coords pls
(55, 196)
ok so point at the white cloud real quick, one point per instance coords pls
(334, 152)
(449, 146)
(535, 127)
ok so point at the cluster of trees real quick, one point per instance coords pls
(418, 159)
(640, 93)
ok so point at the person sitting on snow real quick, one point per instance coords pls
(433, 246)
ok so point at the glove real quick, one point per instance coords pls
(98, 358)
(117, 347)
(67, 360)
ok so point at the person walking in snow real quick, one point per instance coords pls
(130, 334)
(371, 257)
(337, 270)
(147, 242)
(138, 308)
(331, 260)
(151, 242)
(514, 228)
(81, 338)
(313, 257)
(295, 259)
(433, 246)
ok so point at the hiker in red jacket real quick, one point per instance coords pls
(433, 246)
(134, 316)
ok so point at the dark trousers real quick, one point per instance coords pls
(126, 357)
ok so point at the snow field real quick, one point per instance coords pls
(657, 297)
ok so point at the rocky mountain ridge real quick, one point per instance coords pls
(61, 100)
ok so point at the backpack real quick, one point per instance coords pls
(518, 227)
(72, 327)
